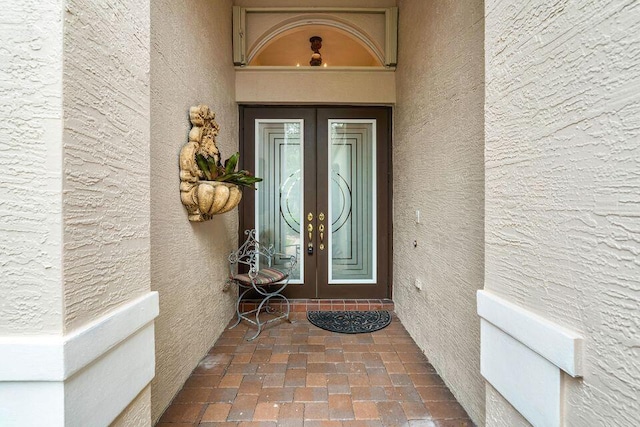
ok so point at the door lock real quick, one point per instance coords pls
(321, 230)
(310, 230)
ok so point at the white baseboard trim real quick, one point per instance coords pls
(522, 355)
(527, 380)
(84, 378)
(557, 344)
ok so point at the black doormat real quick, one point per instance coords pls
(350, 322)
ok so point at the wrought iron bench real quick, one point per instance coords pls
(260, 276)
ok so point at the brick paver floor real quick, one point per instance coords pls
(295, 374)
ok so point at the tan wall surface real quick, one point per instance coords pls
(106, 157)
(191, 63)
(31, 168)
(106, 163)
(438, 169)
(563, 188)
(315, 86)
(500, 413)
(315, 3)
(138, 413)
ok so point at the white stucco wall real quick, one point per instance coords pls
(30, 167)
(438, 170)
(191, 63)
(563, 187)
(106, 157)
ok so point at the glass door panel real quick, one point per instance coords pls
(352, 201)
(279, 148)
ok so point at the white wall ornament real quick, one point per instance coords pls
(202, 198)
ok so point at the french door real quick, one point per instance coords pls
(325, 195)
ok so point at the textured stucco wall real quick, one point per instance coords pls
(106, 156)
(74, 204)
(106, 163)
(30, 167)
(500, 413)
(191, 63)
(138, 413)
(563, 185)
(438, 170)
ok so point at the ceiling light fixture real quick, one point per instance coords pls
(316, 45)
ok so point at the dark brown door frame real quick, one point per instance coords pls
(314, 116)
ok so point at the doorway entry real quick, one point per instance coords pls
(325, 194)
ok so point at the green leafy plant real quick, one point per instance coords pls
(215, 171)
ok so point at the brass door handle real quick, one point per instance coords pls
(321, 230)
(310, 230)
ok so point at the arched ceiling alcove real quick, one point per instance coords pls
(279, 37)
(292, 48)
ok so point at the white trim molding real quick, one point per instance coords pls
(84, 378)
(522, 355)
(559, 345)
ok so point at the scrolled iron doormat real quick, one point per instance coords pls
(350, 322)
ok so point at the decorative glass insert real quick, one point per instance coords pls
(280, 197)
(352, 201)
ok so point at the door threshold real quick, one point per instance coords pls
(303, 305)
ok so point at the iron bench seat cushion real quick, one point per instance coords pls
(264, 276)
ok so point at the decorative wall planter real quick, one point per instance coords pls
(216, 197)
(203, 199)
